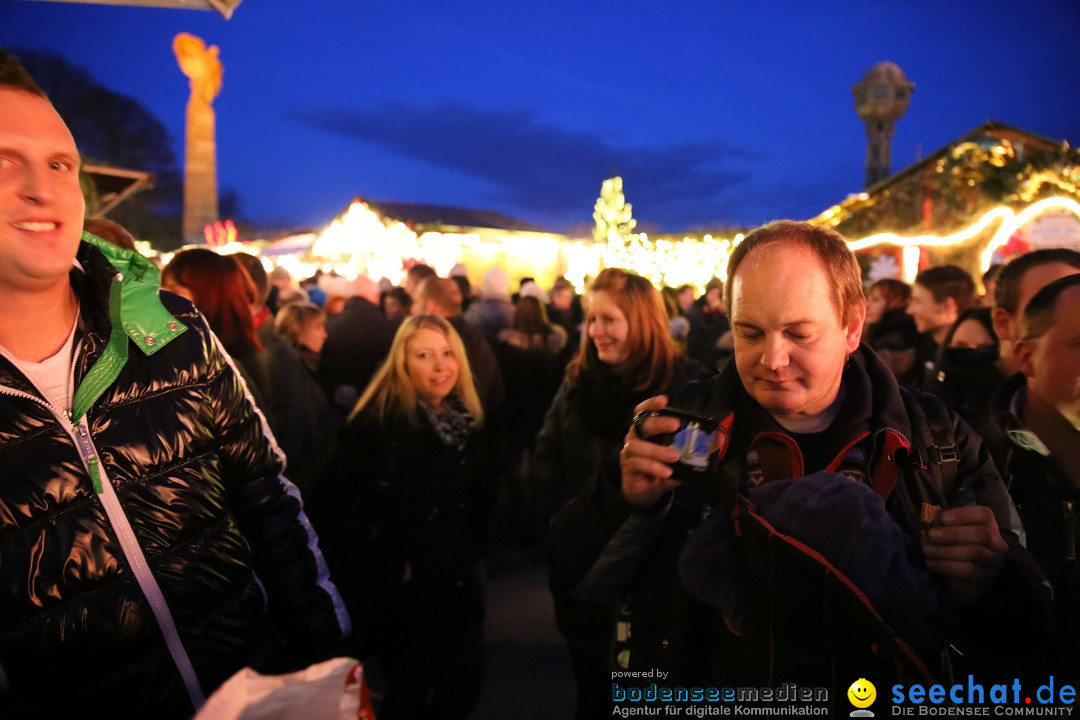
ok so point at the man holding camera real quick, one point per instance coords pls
(896, 499)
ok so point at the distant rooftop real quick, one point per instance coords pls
(416, 214)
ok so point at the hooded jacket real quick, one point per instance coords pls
(150, 547)
(601, 547)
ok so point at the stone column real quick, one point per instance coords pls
(204, 71)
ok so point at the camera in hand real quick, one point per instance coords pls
(694, 439)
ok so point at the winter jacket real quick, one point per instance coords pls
(707, 326)
(304, 421)
(150, 548)
(1049, 505)
(586, 422)
(894, 331)
(404, 520)
(570, 447)
(490, 315)
(896, 339)
(602, 548)
(484, 366)
(965, 379)
(532, 377)
(357, 341)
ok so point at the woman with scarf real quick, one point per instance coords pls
(627, 356)
(403, 516)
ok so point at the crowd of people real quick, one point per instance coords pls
(209, 466)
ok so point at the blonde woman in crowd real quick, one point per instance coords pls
(404, 511)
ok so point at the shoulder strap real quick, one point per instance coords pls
(936, 449)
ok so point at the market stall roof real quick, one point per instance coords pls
(994, 163)
(420, 216)
(115, 185)
(225, 7)
(989, 130)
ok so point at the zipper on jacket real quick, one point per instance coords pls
(881, 431)
(84, 444)
(832, 466)
(137, 561)
(89, 455)
(71, 377)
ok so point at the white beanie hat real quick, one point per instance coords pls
(496, 284)
(531, 289)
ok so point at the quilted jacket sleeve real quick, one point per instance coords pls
(305, 606)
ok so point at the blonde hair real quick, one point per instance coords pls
(391, 393)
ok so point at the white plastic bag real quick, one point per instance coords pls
(331, 690)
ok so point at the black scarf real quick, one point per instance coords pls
(605, 404)
(451, 421)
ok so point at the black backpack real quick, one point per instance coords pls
(935, 450)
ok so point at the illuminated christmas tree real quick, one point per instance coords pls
(612, 214)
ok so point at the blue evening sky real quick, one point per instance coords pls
(715, 113)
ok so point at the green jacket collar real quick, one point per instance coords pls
(135, 314)
(141, 315)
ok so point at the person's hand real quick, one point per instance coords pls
(646, 466)
(966, 548)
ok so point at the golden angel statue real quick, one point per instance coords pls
(201, 65)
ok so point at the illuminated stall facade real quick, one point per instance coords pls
(382, 240)
(996, 192)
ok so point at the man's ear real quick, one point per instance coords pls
(1023, 354)
(951, 308)
(1002, 323)
(853, 328)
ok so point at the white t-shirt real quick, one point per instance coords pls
(52, 376)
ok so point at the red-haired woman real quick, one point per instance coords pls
(627, 356)
(221, 289)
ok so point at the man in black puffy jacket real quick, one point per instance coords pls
(150, 547)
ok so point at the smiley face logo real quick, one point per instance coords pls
(862, 693)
